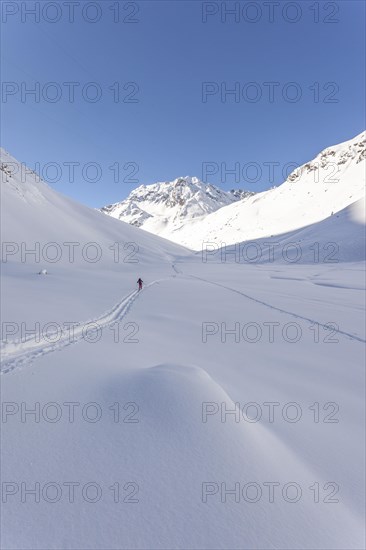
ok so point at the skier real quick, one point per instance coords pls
(140, 281)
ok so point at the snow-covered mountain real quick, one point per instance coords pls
(163, 207)
(327, 184)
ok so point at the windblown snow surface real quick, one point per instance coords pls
(220, 407)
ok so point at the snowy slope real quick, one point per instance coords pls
(327, 184)
(152, 456)
(163, 207)
(339, 238)
(71, 242)
(32, 206)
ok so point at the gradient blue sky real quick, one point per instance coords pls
(169, 52)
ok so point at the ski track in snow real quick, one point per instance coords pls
(296, 315)
(16, 355)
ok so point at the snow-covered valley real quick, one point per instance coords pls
(220, 407)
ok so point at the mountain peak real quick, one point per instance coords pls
(172, 202)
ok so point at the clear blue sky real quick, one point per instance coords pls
(169, 52)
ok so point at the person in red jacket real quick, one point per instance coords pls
(140, 281)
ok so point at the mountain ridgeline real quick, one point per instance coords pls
(190, 212)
